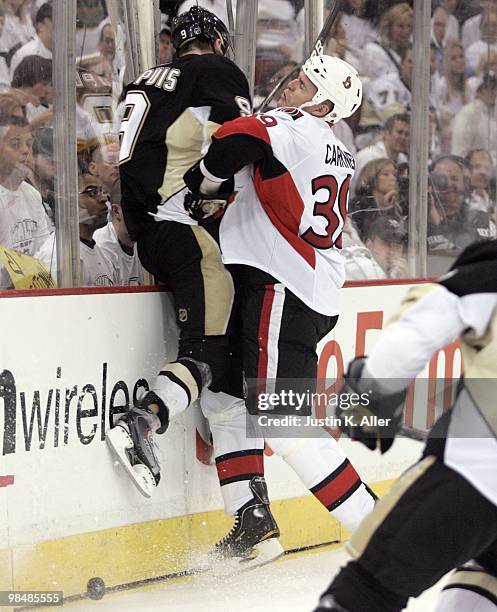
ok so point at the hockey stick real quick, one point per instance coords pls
(231, 19)
(317, 49)
(413, 434)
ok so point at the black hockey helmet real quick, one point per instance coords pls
(199, 23)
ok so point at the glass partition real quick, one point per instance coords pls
(107, 255)
(26, 143)
(424, 139)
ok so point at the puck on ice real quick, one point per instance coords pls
(95, 589)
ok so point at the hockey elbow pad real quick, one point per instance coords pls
(367, 414)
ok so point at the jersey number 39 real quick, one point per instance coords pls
(334, 210)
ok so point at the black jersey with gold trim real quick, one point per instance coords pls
(170, 114)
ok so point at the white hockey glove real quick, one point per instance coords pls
(367, 414)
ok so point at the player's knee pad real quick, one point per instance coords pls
(470, 587)
(210, 350)
(221, 407)
(285, 447)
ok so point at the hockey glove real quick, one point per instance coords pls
(366, 414)
(200, 206)
(206, 198)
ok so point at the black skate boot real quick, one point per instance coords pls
(328, 603)
(253, 539)
(132, 442)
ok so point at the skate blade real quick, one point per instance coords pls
(261, 554)
(119, 441)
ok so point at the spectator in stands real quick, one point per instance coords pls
(96, 269)
(394, 144)
(99, 157)
(359, 31)
(382, 57)
(452, 29)
(18, 28)
(487, 41)
(110, 65)
(487, 63)
(33, 76)
(470, 32)
(107, 48)
(104, 164)
(387, 242)
(13, 103)
(482, 176)
(42, 43)
(4, 70)
(359, 261)
(114, 240)
(475, 126)
(450, 90)
(452, 225)
(166, 49)
(377, 194)
(395, 87)
(24, 225)
(439, 21)
(44, 169)
(276, 37)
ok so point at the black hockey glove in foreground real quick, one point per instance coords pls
(367, 414)
(200, 206)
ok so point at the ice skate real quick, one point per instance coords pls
(131, 440)
(253, 539)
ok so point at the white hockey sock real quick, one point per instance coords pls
(238, 447)
(325, 470)
(172, 394)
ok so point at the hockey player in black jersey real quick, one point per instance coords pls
(170, 114)
(442, 513)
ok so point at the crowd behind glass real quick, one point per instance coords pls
(374, 36)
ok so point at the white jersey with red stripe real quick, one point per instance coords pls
(288, 214)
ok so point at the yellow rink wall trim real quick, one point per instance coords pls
(144, 551)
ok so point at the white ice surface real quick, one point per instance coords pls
(291, 584)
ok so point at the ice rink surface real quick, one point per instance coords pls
(289, 584)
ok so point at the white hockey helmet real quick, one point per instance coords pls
(336, 81)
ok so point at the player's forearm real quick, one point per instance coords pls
(405, 347)
(227, 156)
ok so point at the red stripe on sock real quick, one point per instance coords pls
(238, 466)
(338, 487)
(5, 481)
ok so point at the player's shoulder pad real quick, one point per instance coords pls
(474, 271)
(214, 62)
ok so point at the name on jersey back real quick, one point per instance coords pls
(336, 157)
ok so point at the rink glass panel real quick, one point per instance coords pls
(26, 143)
(108, 52)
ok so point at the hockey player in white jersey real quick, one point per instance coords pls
(442, 513)
(281, 239)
